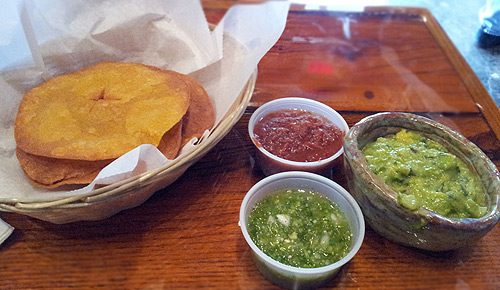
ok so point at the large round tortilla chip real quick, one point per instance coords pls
(100, 112)
(50, 172)
(170, 143)
(200, 115)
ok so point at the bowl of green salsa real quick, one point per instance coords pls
(302, 228)
(420, 183)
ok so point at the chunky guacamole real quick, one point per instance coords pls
(425, 174)
(300, 228)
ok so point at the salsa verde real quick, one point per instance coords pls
(425, 174)
(300, 228)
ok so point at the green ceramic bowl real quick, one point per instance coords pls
(421, 228)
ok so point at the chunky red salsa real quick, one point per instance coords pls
(298, 135)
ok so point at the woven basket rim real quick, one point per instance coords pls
(139, 181)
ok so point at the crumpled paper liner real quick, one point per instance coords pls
(44, 38)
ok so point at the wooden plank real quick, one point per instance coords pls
(372, 62)
(187, 235)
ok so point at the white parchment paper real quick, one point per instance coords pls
(40, 39)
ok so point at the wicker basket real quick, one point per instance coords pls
(111, 199)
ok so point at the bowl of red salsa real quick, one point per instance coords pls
(297, 134)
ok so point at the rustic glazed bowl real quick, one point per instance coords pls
(421, 228)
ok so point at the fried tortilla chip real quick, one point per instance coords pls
(69, 128)
(100, 112)
(170, 144)
(50, 172)
(200, 115)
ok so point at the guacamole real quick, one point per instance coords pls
(300, 228)
(425, 174)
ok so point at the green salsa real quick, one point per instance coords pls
(425, 174)
(300, 228)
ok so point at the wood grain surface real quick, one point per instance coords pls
(187, 236)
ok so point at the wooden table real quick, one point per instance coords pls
(187, 235)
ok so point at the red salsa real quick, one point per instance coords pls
(298, 135)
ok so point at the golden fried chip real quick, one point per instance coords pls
(200, 115)
(170, 144)
(50, 172)
(100, 112)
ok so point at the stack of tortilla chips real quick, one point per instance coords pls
(73, 125)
